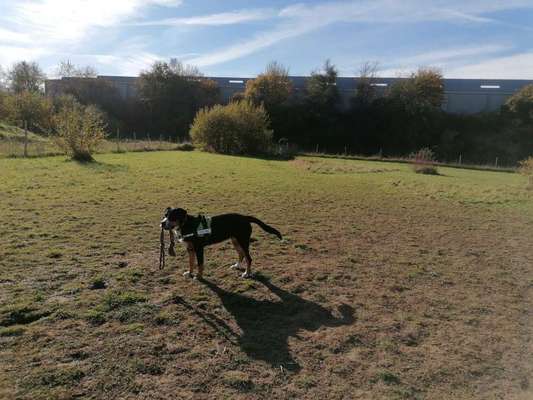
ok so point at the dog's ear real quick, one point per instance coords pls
(167, 211)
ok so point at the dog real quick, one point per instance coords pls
(236, 227)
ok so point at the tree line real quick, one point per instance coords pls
(395, 121)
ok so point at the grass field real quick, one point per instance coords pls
(388, 285)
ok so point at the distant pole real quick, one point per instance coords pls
(134, 136)
(345, 150)
(118, 140)
(25, 138)
(460, 159)
(496, 163)
(316, 151)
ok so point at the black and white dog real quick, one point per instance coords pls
(236, 227)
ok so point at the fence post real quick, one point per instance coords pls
(134, 136)
(118, 140)
(316, 151)
(345, 150)
(460, 159)
(496, 163)
(25, 138)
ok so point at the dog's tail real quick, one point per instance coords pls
(265, 227)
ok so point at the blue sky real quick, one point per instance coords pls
(464, 38)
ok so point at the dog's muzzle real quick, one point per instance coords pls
(164, 224)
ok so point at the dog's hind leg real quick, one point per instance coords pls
(240, 253)
(200, 258)
(248, 272)
(244, 244)
(190, 251)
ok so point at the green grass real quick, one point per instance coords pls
(388, 284)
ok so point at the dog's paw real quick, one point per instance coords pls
(187, 274)
(237, 265)
(246, 275)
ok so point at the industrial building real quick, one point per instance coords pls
(462, 96)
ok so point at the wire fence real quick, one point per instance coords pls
(18, 147)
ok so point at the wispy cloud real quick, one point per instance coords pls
(226, 18)
(244, 48)
(300, 19)
(442, 58)
(519, 66)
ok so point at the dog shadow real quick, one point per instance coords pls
(266, 325)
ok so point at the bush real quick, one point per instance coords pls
(31, 108)
(79, 129)
(186, 146)
(423, 160)
(237, 128)
(526, 168)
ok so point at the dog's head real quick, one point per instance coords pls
(174, 217)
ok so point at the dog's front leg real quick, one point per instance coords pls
(192, 256)
(172, 245)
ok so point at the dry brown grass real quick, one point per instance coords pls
(389, 285)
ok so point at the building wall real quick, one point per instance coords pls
(464, 96)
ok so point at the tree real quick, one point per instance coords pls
(172, 93)
(321, 87)
(79, 129)
(520, 105)
(28, 109)
(25, 76)
(271, 88)
(321, 102)
(66, 69)
(422, 90)
(365, 92)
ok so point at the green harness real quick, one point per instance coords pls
(203, 228)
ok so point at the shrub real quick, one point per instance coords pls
(79, 129)
(423, 160)
(31, 108)
(526, 168)
(186, 146)
(237, 128)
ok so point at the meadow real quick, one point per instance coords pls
(388, 284)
